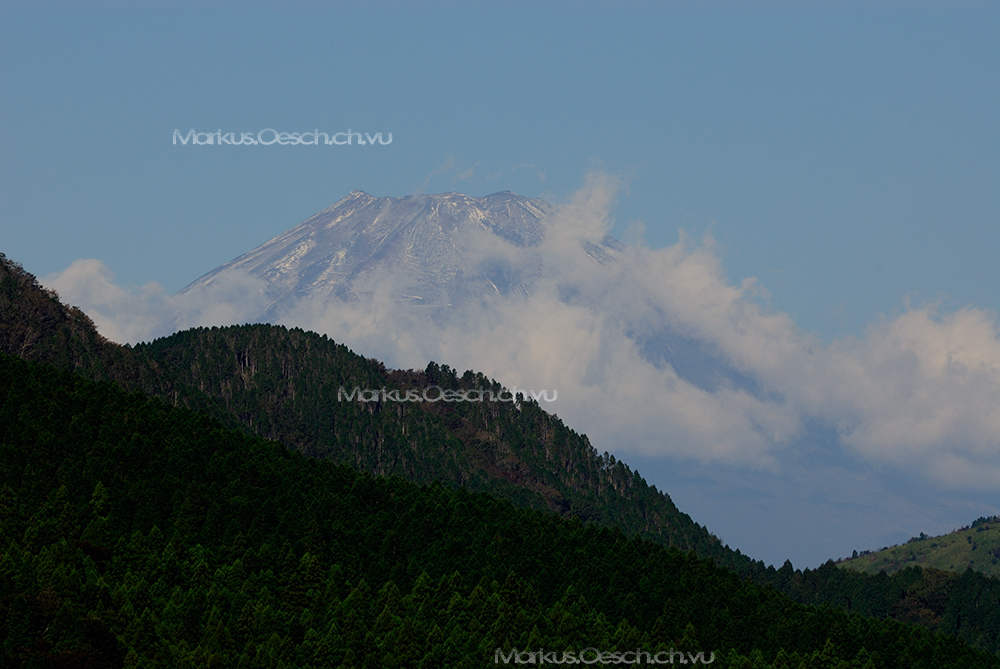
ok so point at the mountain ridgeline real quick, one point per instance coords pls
(283, 385)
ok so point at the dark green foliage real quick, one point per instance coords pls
(965, 605)
(284, 385)
(221, 549)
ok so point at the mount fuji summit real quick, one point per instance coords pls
(433, 250)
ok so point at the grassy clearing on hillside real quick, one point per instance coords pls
(976, 547)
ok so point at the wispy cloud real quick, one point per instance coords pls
(447, 166)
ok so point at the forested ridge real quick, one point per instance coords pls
(139, 534)
(282, 384)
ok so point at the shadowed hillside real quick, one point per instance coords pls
(138, 534)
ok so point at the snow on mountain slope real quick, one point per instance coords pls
(427, 241)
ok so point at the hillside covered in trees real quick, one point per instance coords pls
(139, 534)
(283, 384)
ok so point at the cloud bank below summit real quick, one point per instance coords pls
(653, 352)
(131, 314)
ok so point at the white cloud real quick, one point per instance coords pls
(924, 390)
(654, 352)
(130, 314)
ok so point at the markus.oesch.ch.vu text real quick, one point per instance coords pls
(437, 393)
(269, 136)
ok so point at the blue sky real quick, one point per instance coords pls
(844, 154)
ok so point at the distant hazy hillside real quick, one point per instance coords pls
(976, 548)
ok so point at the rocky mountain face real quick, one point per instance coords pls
(428, 250)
